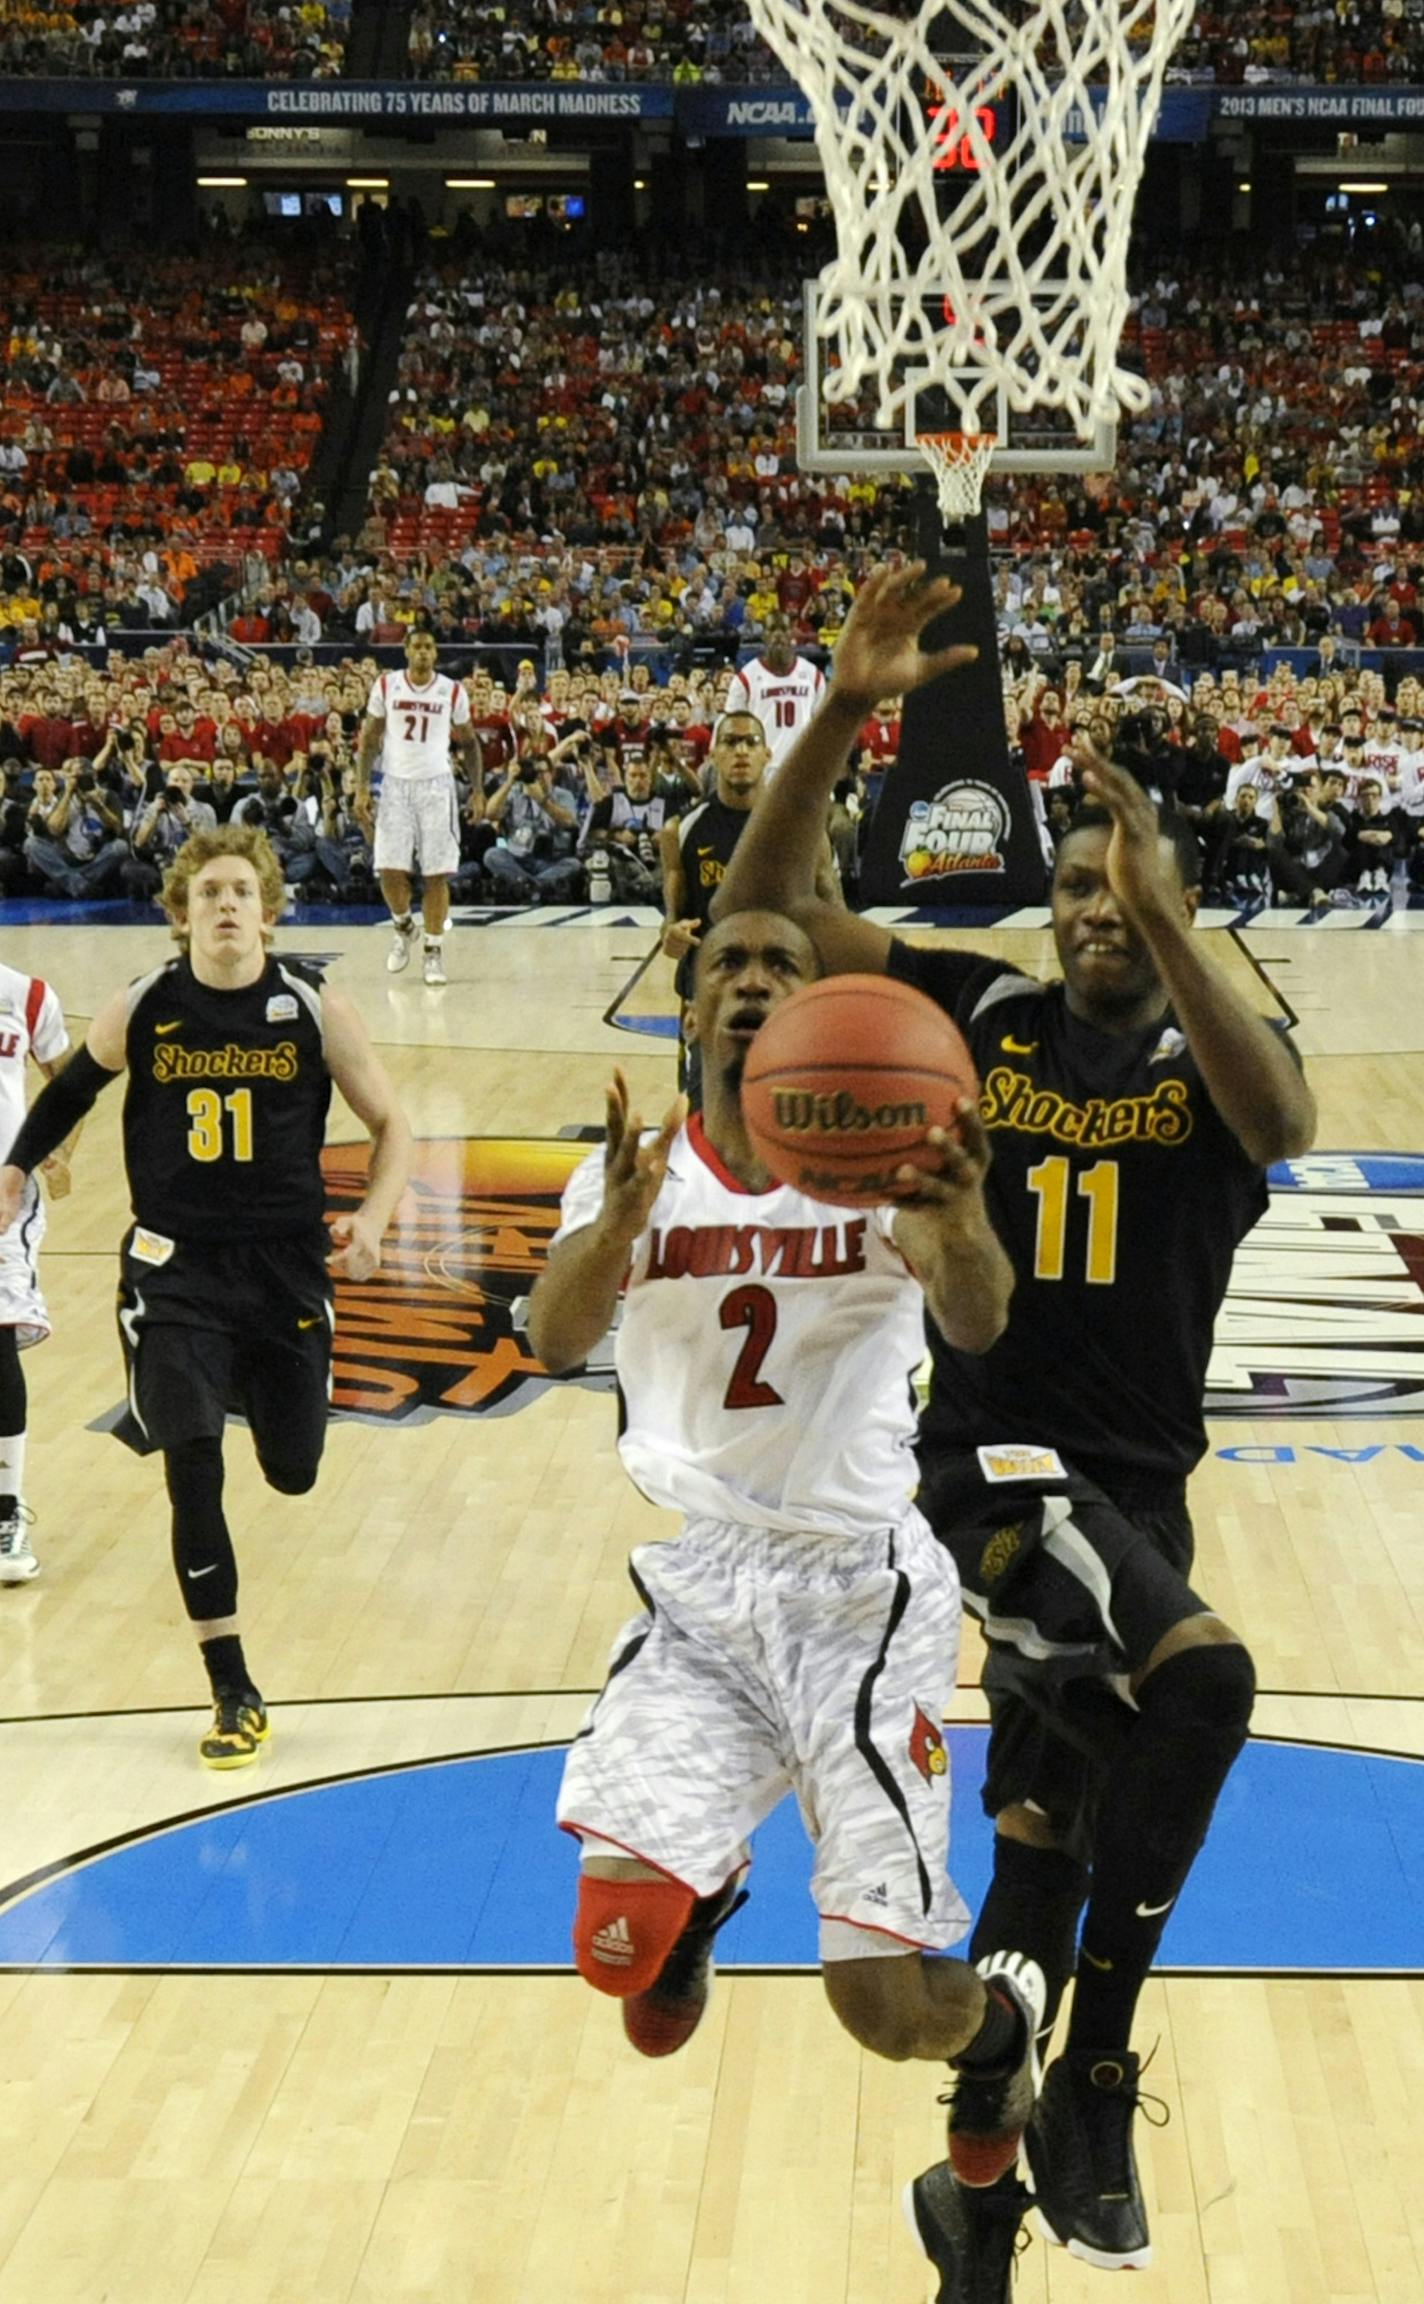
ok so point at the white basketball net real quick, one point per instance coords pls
(1024, 285)
(959, 461)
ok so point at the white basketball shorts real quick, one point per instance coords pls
(22, 1307)
(767, 1663)
(418, 822)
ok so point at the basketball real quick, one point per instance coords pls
(844, 1082)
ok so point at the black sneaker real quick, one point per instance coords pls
(988, 2110)
(240, 1725)
(970, 2237)
(1082, 2166)
(663, 2019)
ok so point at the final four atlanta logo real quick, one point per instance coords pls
(1324, 1317)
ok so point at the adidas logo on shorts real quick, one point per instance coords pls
(613, 1945)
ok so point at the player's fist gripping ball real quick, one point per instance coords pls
(844, 1082)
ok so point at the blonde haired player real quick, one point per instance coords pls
(801, 1633)
(226, 1273)
(414, 719)
(31, 1025)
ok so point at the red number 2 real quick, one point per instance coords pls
(755, 1310)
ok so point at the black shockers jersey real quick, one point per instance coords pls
(1120, 1195)
(706, 837)
(226, 1105)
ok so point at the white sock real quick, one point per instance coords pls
(401, 922)
(12, 1465)
(433, 943)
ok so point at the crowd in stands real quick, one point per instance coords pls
(175, 39)
(1308, 788)
(1315, 41)
(159, 415)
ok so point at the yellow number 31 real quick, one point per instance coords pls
(205, 1123)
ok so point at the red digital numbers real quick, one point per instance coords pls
(954, 149)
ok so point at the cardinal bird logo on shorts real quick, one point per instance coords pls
(927, 1747)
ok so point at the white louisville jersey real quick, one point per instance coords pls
(419, 722)
(782, 701)
(766, 1351)
(31, 1024)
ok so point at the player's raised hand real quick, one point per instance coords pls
(879, 653)
(633, 1171)
(952, 1188)
(1136, 872)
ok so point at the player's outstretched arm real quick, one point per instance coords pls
(946, 1238)
(366, 1085)
(57, 1111)
(773, 865)
(576, 1295)
(1253, 1079)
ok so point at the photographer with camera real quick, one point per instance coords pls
(1308, 861)
(533, 860)
(159, 831)
(78, 849)
(625, 820)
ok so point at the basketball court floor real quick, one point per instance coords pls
(309, 2033)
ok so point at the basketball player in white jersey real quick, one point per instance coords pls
(780, 687)
(31, 1025)
(413, 719)
(801, 1633)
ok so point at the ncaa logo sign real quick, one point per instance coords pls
(1325, 1313)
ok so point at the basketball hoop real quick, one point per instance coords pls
(1041, 111)
(959, 461)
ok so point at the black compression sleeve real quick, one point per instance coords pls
(58, 1110)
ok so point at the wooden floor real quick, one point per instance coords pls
(309, 2139)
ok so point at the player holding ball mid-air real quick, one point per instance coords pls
(1132, 1109)
(801, 1632)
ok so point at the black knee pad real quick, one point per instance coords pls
(290, 1479)
(1209, 1688)
(14, 1394)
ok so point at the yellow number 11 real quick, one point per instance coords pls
(1098, 1186)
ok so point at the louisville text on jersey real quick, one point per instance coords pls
(171, 1061)
(789, 1252)
(1011, 1100)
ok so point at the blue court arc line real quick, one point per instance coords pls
(1314, 1865)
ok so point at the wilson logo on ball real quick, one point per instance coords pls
(802, 1115)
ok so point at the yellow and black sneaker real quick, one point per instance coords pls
(240, 1725)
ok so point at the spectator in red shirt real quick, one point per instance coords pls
(1393, 629)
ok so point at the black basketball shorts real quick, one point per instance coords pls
(1073, 1593)
(210, 1331)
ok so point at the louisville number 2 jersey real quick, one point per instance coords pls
(765, 1353)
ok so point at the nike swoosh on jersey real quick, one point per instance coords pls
(1018, 1047)
(1155, 1911)
(314, 1322)
(1094, 1962)
(175, 1026)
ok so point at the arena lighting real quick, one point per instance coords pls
(221, 183)
(1349, 185)
(1244, 185)
(368, 183)
(469, 183)
(640, 183)
(759, 184)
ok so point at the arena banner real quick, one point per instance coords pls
(334, 103)
(773, 108)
